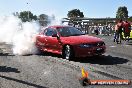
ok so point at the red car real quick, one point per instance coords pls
(69, 42)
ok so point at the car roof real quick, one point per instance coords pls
(58, 26)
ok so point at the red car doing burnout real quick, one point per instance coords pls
(69, 42)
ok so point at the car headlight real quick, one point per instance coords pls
(85, 45)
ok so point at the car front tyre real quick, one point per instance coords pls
(67, 52)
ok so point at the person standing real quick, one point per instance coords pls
(119, 31)
(127, 29)
(96, 30)
(115, 32)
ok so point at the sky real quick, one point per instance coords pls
(60, 8)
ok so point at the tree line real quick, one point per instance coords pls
(122, 13)
(28, 16)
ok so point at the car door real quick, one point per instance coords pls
(52, 43)
(41, 40)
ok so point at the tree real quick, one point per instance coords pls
(15, 14)
(74, 16)
(43, 19)
(122, 13)
(27, 16)
(130, 18)
(75, 13)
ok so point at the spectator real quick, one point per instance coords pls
(96, 30)
(115, 32)
(119, 31)
(127, 29)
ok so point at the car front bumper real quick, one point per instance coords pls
(85, 52)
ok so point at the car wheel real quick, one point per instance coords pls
(67, 52)
(39, 51)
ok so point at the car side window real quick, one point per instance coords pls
(50, 32)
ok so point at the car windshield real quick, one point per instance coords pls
(69, 31)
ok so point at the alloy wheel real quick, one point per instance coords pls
(67, 52)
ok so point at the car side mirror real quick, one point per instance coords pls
(56, 35)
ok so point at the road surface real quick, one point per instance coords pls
(51, 71)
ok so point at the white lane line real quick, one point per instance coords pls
(112, 46)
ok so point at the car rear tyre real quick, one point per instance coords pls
(67, 52)
(39, 51)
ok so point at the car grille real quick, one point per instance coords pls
(97, 44)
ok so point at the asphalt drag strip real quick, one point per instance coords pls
(51, 71)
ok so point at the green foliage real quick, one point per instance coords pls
(75, 13)
(15, 14)
(27, 16)
(43, 19)
(122, 13)
(130, 18)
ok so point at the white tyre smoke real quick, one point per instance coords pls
(21, 35)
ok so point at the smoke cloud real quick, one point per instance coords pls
(21, 35)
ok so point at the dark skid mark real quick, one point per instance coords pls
(6, 54)
(8, 69)
(23, 82)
